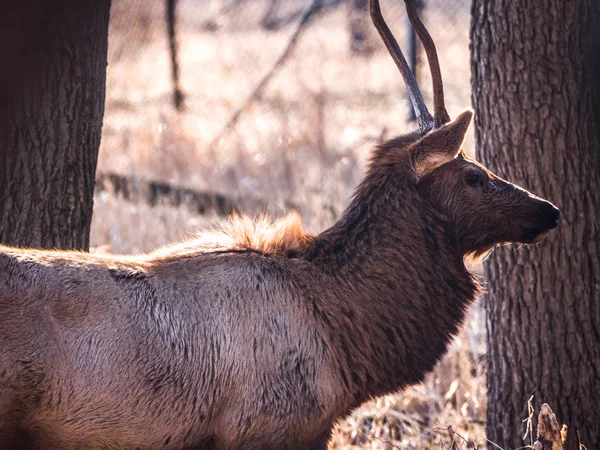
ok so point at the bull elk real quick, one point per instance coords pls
(260, 336)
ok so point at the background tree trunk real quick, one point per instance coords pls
(52, 87)
(359, 22)
(172, 33)
(536, 86)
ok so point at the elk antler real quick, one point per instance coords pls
(424, 119)
(440, 113)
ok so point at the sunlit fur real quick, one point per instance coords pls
(283, 236)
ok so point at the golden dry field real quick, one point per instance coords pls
(304, 142)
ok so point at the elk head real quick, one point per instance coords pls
(480, 210)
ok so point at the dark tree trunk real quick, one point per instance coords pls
(52, 86)
(174, 53)
(536, 85)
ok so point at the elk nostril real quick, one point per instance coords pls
(555, 216)
(548, 216)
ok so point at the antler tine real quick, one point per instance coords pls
(440, 113)
(424, 119)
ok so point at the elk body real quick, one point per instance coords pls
(258, 336)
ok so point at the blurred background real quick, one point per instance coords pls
(301, 142)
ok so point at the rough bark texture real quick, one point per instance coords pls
(52, 88)
(536, 85)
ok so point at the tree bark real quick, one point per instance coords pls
(536, 93)
(52, 87)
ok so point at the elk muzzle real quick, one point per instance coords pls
(546, 218)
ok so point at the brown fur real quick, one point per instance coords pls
(257, 336)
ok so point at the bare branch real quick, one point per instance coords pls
(311, 7)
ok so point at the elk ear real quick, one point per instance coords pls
(440, 146)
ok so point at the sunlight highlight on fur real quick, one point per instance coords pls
(284, 236)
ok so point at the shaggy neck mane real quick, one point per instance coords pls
(283, 237)
(402, 287)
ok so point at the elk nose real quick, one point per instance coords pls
(553, 215)
(557, 217)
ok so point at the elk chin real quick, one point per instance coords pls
(532, 235)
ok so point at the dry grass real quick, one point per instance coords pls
(306, 141)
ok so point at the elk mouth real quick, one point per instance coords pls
(544, 222)
(532, 235)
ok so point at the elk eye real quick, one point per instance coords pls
(474, 179)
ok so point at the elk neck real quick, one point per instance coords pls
(402, 289)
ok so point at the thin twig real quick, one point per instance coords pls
(439, 431)
(579, 444)
(453, 443)
(529, 420)
(470, 444)
(388, 443)
(493, 443)
(311, 7)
